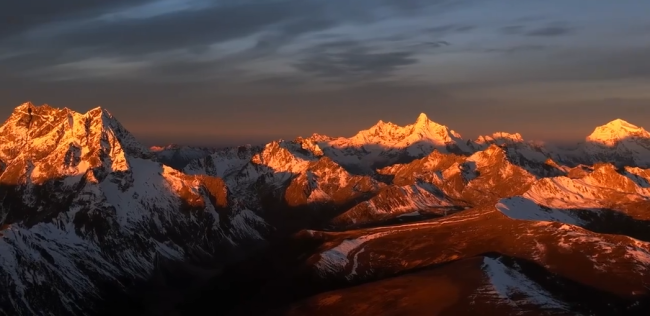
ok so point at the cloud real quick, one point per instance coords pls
(556, 29)
(352, 61)
(517, 49)
(531, 18)
(116, 28)
(550, 31)
(207, 39)
(435, 44)
(512, 29)
(537, 63)
(19, 16)
(94, 67)
(198, 28)
(449, 28)
(279, 81)
(615, 63)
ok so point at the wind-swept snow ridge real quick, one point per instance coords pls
(514, 288)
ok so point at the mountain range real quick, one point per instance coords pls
(395, 220)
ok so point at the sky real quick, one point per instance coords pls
(225, 72)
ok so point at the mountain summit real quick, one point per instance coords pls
(390, 135)
(82, 203)
(386, 143)
(616, 131)
(62, 142)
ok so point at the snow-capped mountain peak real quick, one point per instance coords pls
(61, 142)
(390, 135)
(433, 131)
(615, 131)
(422, 119)
(386, 143)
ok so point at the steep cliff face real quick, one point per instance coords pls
(83, 203)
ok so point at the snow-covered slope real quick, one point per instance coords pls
(387, 143)
(613, 263)
(396, 202)
(494, 287)
(484, 176)
(82, 203)
(582, 201)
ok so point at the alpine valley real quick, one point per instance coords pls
(395, 220)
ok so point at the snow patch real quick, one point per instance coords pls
(336, 259)
(519, 207)
(508, 284)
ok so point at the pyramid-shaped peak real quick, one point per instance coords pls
(422, 118)
(616, 130)
(390, 136)
(379, 124)
(25, 106)
(424, 122)
(621, 123)
(424, 125)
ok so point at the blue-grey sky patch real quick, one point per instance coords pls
(226, 65)
(550, 31)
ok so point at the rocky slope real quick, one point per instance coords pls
(82, 203)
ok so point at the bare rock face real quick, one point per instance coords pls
(83, 203)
